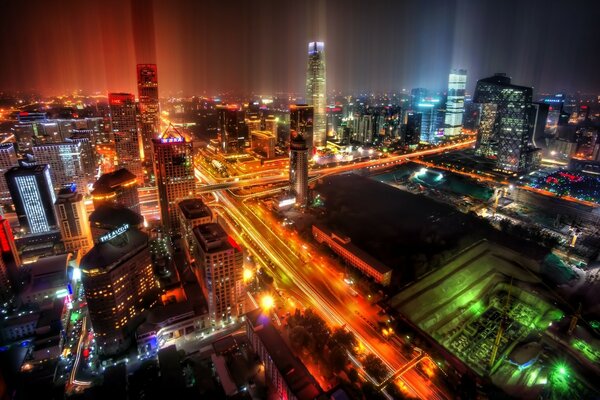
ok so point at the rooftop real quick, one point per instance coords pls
(194, 208)
(110, 181)
(293, 371)
(213, 238)
(112, 216)
(121, 247)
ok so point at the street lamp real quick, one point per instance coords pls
(267, 302)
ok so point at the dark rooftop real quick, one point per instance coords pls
(213, 238)
(122, 247)
(293, 371)
(109, 181)
(113, 216)
(194, 208)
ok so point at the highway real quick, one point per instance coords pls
(318, 283)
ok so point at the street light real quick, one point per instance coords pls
(267, 302)
(247, 275)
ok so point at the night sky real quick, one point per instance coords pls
(259, 46)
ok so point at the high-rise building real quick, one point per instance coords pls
(88, 152)
(124, 126)
(316, 94)
(219, 261)
(301, 127)
(119, 285)
(66, 163)
(31, 190)
(263, 143)
(9, 263)
(233, 132)
(147, 81)
(117, 187)
(174, 170)
(506, 127)
(72, 220)
(8, 159)
(417, 95)
(432, 119)
(412, 129)
(455, 102)
(192, 213)
(271, 124)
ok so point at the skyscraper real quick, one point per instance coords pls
(506, 127)
(220, 260)
(316, 94)
(174, 170)
(31, 190)
(66, 163)
(72, 220)
(117, 187)
(301, 127)
(124, 127)
(8, 159)
(233, 132)
(119, 285)
(147, 81)
(455, 102)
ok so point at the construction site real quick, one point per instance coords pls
(489, 308)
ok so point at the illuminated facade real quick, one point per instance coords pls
(124, 126)
(119, 285)
(117, 187)
(263, 143)
(174, 171)
(147, 81)
(73, 220)
(316, 93)
(301, 127)
(66, 164)
(506, 127)
(233, 132)
(219, 260)
(8, 159)
(31, 190)
(192, 213)
(455, 103)
(88, 153)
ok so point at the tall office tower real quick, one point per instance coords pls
(9, 264)
(417, 95)
(88, 152)
(72, 220)
(253, 122)
(117, 187)
(174, 171)
(8, 159)
(220, 260)
(412, 129)
(316, 94)
(119, 285)
(271, 124)
(506, 127)
(455, 102)
(432, 119)
(32, 193)
(147, 81)
(124, 127)
(233, 132)
(66, 163)
(192, 213)
(301, 127)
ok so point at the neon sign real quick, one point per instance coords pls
(113, 234)
(172, 140)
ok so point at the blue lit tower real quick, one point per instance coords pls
(30, 188)
(316, 95)
(455, 103)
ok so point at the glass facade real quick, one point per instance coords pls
(455, 102)
(316, 93)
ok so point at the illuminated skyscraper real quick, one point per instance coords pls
(66, 164)
(117, 187)
(31, 190)
(316, 94)
(455, 103)
(233, 132)
(219, 261)
(72, 220)
(124, 127)
(301, 127)
(8, 159)
(119, 285)
(147, 81)
(174, 170)
(506, 127)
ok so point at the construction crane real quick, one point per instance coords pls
(503, 323)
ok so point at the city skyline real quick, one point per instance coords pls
(411, 45)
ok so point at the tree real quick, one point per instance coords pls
(353, 375)
(338, 358)
(299, 338)
(345, 339)
(370, 392)
(375, 367)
